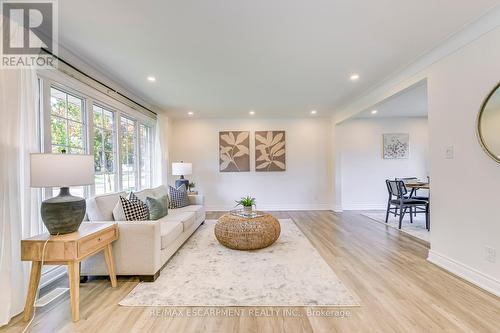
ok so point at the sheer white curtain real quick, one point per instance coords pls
(160, 175)
(19, 204)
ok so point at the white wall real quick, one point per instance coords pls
(363, 169)
(306, 184)
(465, 190)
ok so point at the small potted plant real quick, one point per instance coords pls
(191, 186)
(247, 202)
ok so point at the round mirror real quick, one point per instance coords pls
(488, 124)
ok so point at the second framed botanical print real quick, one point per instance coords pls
(270, 151)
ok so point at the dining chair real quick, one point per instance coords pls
(398, 203)
(413, 191)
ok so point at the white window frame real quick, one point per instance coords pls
(91, 96)
(46, 131)
(83, 121)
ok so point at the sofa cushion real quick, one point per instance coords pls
(159, 191)
(188, 223)
(198, 210)
(186, 218)
(100, 208)
(154, 193)
(142, 195)
(169, 233)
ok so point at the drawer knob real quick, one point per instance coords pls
(99, 239)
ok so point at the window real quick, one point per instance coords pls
(145, 153)
(104, 150)
(78, 119)
(128, 154)
(67, 128)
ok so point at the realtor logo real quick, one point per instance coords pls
(27, 28)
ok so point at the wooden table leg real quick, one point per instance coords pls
(36, 270)
(74, 288)
(108, 255)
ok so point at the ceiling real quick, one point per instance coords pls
(411, 102)
(222, 58)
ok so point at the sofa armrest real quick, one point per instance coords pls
(136, 252)
(196, 199)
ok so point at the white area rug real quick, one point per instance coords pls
(416, 229)
(205, 273)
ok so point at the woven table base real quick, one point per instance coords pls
(242, 233)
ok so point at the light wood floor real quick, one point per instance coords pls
(399, 291)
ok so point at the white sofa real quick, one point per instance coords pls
(143, 247)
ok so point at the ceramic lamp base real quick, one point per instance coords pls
(63, 214)
(181, 181)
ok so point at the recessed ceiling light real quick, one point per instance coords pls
(314, 111)
(374, 112)
(151, 79)
(354, 77)
(190, 113)
(252, 112)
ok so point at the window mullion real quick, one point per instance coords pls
(47, 129)
(89, 116)
(67, 124)
(115, 150)
(137, 157)
(119, 151)
(151, 156)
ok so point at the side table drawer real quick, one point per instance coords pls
(90, 245)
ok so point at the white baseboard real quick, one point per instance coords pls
(52, 274)
(51, 296)
(337, 208)
(278, 207)
(470, 274)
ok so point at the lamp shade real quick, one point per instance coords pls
(61, 170)
(182, 169)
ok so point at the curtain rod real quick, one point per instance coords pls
(95, 80)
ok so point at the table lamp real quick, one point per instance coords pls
(182, 169)
(62, 214)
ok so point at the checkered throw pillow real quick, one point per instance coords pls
(178, 197)
(134, 209)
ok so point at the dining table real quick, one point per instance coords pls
(418, 185)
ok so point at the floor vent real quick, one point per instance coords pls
(51, 296)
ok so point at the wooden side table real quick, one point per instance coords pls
(68, 249)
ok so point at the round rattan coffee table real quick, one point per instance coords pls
(247, 233)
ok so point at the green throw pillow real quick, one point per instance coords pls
(158, 208)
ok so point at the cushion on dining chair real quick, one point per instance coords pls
(410, 202)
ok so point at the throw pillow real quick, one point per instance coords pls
(158, 208)
(118, 214)
(134, 209)
(178, 197)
